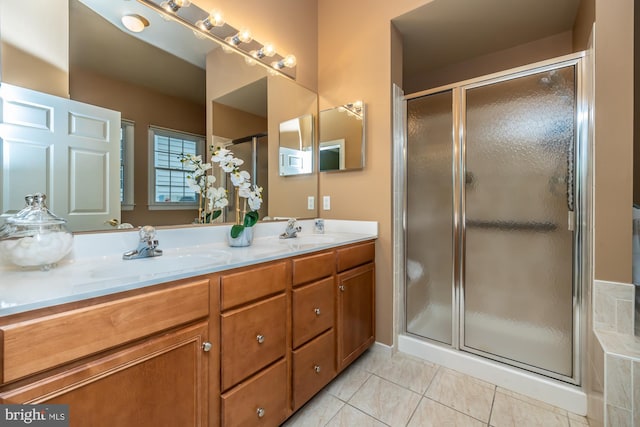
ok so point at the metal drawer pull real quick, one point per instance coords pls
(206, 346)
(260, 412)
(260, 339)
(317, 369)
(341, 287)
(316, 311)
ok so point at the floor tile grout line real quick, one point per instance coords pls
(413, 413)
(493, 401)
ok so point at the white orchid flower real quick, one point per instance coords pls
(238, 178)
(193, 185)
(221, 154)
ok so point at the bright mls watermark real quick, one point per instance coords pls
(34, 415)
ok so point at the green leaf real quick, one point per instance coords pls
(216, 214)
(236, 229)
(251, 218)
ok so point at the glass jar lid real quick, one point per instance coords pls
(35, 212)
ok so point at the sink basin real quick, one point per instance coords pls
(167, 263)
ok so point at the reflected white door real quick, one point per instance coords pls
(63, 148)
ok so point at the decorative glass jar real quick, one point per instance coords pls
(35, 237)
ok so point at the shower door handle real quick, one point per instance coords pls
(571, 220)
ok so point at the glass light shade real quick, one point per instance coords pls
(245, 35)
(269, 49)
(216, 18)
(134, 23)
(290, 61)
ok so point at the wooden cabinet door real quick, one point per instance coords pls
(159, 382)
(356, 308)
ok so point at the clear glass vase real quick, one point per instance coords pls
(244, 239)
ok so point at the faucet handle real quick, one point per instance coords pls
(147, 233)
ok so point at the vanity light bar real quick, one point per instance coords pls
(213, 27)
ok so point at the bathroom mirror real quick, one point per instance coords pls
(296, 146)
(342, 138)
(186, 84)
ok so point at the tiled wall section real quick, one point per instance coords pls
(613, 312)
(613, 307)
(622, 395)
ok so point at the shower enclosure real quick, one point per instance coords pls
(494, 217)
(253, 150)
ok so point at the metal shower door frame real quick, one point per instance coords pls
(582, 262)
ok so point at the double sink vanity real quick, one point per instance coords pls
(203, 335)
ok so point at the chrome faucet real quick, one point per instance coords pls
(292, 229)
(147, 247)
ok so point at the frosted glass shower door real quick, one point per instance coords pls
(517, 303)
(429, 226)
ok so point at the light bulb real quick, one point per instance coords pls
(174, 5)
(216, 18)
(278, 65)
(289, 61)
(249, 61)
(268, 49)
(245, 35)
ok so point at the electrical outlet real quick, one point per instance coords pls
(311, 202)
(326, 203)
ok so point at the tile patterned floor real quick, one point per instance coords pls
(381, 390)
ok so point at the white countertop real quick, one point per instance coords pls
(95, 266)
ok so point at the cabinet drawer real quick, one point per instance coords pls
(313, 367)
(34, 345)
(260, 401)
(354, 256)
(250, 285)
(313, 310)
(252, 338)
(314, 267)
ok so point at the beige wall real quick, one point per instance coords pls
(145, 108)
(528, 53)
(288, 194)
(613, 139)
(289, 24)
(354, 62)
(583, 24)
(231, 123)
(34, 44)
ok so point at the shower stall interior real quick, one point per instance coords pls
(494, 217)
(253, 150)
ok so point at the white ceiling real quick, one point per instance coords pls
(445, 32)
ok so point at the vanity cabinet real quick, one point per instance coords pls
(243, 347)
(313, 321)
(136, 360)
(355, 301)
(254, 322)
